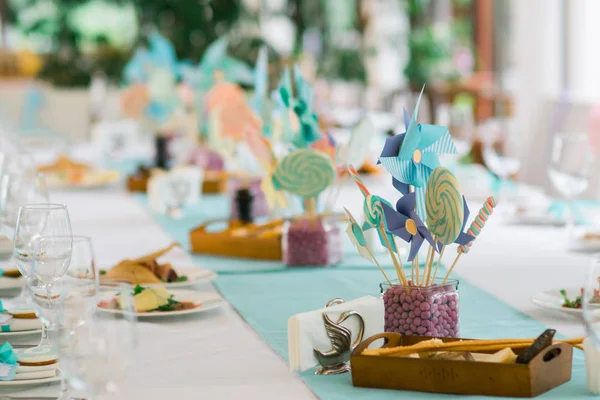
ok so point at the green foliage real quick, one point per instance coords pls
(344, 64)
(425, 52)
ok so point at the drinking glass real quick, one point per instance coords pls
(571, 162)
(502, 150)
(34, 221)
(97, 354)
(17, 189)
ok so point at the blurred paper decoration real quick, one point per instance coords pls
(418, 155)
(406, 224)
(31, 108)
(357, 150)
(304, 172)
(326, 145)
(261, 81)
(215, 59)
(134, 99)
(222, 93)
(357, 237)
(160, 54)
(263, 152)
(162, 86)
(305, 130)
(235, 119)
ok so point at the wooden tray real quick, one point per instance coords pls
(261, 242)
(213, 182)
(549, 369)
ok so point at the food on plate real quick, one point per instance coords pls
(591, 236)
(66, 171)
(11, 273)
(149, 300)
(64, 164)
(144, 270)
(577, 303)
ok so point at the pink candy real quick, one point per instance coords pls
(424, 311)
(308, 243)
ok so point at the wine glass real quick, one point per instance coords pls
(34, 221)
(570, 167)
(180, 190)
(17, 189)
(97, 354)
(591, 317)
(77, 289)
(501, 152)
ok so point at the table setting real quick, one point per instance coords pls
(252, 251)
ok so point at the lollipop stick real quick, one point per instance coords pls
(429, 262)
(452, 267)
(412, 271)
(399, 270)
(437, 265)
(417, 266)
(378, 265)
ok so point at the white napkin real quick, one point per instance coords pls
(11, 324)
(306, 331)
(35, 375)
(592, 366)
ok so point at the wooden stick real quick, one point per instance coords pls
(378, 265)
(426, 272)
(437, 265)
(417, 266)
(412, 271)
(399, 270)
(429, 345)
(451, 267)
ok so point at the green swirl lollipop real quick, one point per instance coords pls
(304, 172)
(444, 205)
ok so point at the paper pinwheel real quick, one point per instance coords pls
(464, 238)
(357, 237)
(215, 59)
(406, 224)
(300, 122)
(160, 54)
(417, 156)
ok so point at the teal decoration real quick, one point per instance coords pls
(374, 217)
(302, 107)
(7, 355)
(359, 235)
(215, 59)
(418, 156)
(160, 54)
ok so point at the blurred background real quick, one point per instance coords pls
(518, 70)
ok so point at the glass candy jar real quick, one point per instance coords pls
(311, 241)
(426, 311)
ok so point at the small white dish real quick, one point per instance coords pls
(7, 283)
(31, 382)
(195, 275)
(205, 302)
(19, 333)
(553, 300)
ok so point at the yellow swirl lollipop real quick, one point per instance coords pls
(304, 172)
(444, 205)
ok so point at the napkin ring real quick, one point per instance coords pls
(335, 361)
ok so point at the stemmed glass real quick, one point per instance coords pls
(51, 260)
(501, 152)
(17, 189)
(571, 162)
(180, 189)
(97, 355)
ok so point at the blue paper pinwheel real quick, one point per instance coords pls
(406, 224)
(464, 238)
(215, 59)
(160, 54)
(302, 106)
(417, 155)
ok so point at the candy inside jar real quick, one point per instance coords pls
(416, 310)
(311, 241)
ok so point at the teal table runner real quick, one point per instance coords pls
(266, 294)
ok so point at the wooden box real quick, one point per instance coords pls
(261, 242)
(213, 183)
(547, 370)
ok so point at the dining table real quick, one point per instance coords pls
(239, 350)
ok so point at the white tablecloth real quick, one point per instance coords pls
(218, 356)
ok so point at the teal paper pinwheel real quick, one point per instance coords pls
(418, 156)
(261, 103)
(302, 108)
(160, 55)
(215, 60)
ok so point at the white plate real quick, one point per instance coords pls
(11, 283)
(19, 333)
(585, 246)
(195, 275)
(209, 301)
(31, 382)
(552, 299)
